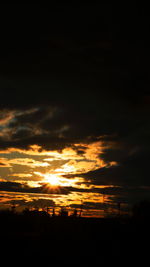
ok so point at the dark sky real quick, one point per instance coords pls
(87, 66)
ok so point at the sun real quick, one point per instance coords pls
(57, 180)
(52, 179)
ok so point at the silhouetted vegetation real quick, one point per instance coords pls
(84, 239)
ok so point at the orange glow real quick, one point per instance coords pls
(56, 180)
(56, 170)
(52, 179)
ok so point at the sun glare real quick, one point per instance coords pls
(52, 179)
(57, 180)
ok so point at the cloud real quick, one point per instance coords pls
(5, 162)
(132, 172)
(36, 203)
(9, 122)
(56, 126)
(6, 116)
(24, 188)
(21, 175)
(67, 160)
(28, 162)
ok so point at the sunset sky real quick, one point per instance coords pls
(74, 118)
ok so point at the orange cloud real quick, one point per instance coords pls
(6, 116)
(22, 175)
(4, 162)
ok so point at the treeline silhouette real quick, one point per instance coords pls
(83, 239)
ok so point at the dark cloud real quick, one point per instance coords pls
(43, 189)
(133, 171)
(39, 203)
(23, 188)
(46, 189)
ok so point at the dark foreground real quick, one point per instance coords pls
(28, 238)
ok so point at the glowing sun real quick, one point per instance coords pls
(52, 179)
(56, 180)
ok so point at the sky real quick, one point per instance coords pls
(74, 107)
